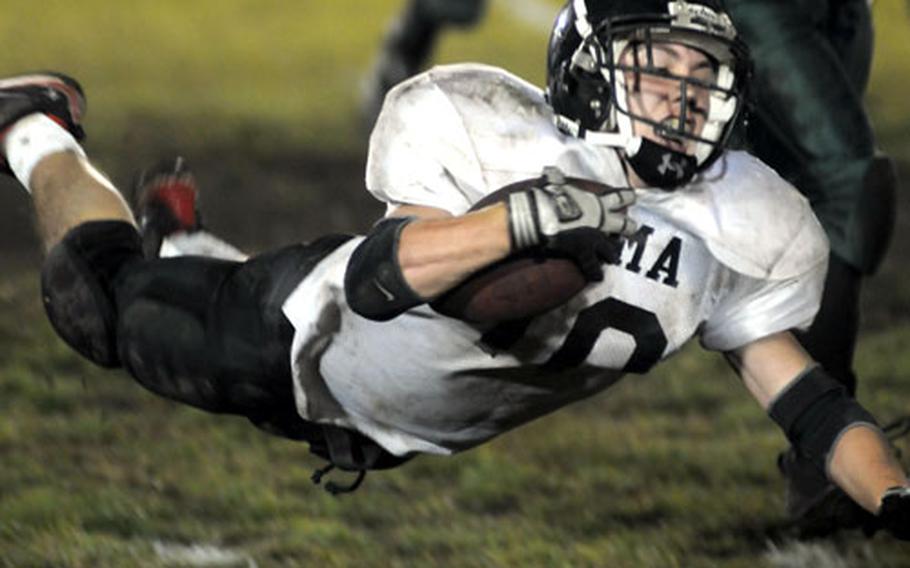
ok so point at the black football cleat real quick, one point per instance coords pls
(165, 201)
(56, 95)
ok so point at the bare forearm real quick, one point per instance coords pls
(575, 217)
(437, 254)
(831, 429)
(864, 466)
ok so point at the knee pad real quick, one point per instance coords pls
(77, 286)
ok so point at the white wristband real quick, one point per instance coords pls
(32, 139)
(522, 226)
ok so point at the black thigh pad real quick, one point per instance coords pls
(211, 333)
(77, 283)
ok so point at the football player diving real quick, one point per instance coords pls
(335, 342)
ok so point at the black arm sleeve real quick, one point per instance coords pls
(814, 412)
(373, 283)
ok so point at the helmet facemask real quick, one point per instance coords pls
(624, 52)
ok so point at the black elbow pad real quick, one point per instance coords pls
(373, 283)
(814, 411)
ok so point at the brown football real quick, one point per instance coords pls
(523, 285)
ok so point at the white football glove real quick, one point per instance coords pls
(537, 215)
(580, 224)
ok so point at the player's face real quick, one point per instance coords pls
(660, 98)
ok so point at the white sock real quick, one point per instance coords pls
(32, 139)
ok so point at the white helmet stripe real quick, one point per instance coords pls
(725, 77)
(619, 117)
(581, 18)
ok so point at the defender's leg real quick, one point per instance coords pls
(409, 43)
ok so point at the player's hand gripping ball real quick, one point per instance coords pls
(563, 231)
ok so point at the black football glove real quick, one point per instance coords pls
(579, 224)
(894, 514)
(588, 248)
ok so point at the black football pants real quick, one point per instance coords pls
(202, 331)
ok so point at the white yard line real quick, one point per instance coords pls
(810, 554)
(204, 555)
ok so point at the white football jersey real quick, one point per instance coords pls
(733, 257)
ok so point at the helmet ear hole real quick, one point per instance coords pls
(580, 94)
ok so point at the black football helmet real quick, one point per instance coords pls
(586, 79)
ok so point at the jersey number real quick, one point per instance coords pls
(642, 325)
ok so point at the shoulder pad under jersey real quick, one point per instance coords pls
(753, 221)
(427, 147)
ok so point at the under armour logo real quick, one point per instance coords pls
(51, 94)
(667, 164)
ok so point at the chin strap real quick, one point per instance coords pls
(659, 166)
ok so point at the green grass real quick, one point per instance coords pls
(673, 469)
(215, 72)
(890, 66)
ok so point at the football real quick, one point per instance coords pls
(523, 285)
